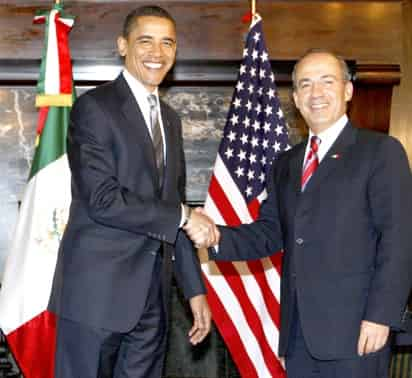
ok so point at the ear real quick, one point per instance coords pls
(122, 46)
(348, 91)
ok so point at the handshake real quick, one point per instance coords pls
(201, 229)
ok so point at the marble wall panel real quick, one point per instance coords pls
(17, 133)
(203, 111)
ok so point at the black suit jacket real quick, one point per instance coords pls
(347, 240)
(119, 218)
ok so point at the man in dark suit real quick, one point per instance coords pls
(340, 206)
(112, 278)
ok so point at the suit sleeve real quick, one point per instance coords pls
(92, 161)
(390, 203)
(187, 267)
(255, 240)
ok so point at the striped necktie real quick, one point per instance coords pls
(311, 162)
(156, 136)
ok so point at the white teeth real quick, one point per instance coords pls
(153, 65)
(319, 106)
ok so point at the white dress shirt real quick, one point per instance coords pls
(140, 94)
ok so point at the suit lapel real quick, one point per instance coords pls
(333, 159)
(295, 168)
(131, 111)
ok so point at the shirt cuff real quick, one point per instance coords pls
(182, 217)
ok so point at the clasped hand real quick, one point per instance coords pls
(201, 229)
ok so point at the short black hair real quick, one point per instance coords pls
(145, 10)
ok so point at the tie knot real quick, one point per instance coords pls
(152, 101)
(314, 143)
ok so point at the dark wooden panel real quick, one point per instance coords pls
(371, 104)
(204, 72)
(370, 107)
(365, 31)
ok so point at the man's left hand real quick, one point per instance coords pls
(202, 319)
(373, 336)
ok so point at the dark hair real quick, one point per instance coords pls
(146, 10)
(344, 67)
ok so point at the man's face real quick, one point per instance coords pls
(321, 92)
(149, 50)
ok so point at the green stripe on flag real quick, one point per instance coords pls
(52, 143)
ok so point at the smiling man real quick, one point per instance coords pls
(112, 279)
(340, 206)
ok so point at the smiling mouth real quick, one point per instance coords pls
(153, 66)
(318, 106)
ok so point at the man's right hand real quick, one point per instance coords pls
(201, 229)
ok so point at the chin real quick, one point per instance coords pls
(155, 81)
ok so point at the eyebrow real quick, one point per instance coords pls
(147, 36)
(169, 39)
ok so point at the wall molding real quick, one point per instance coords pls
(212, 72)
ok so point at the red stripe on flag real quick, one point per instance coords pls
(254, 207)
(230, 334)
(33, 345)
(276, 259)
(39, 19)
(251, 315)
(43, 112)
(65, 64)
(222, 203)
(258, 271)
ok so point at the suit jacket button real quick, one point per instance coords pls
(299, 241)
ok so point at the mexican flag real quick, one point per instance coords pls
(25, 290)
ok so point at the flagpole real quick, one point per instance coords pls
(253, 8)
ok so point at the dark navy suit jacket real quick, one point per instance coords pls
(347, 240)
(119, 218)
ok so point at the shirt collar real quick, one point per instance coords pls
(328, 136)
(137, 87)
(333, 131)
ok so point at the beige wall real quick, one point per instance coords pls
(401, 120)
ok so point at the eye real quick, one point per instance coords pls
(168, 43)
(144, 41)
(328, 82)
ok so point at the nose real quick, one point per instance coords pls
(317, 89)
(156, 49)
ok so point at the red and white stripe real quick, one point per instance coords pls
(58, 68)
(243, 296)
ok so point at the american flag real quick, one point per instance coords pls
(244, 296)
